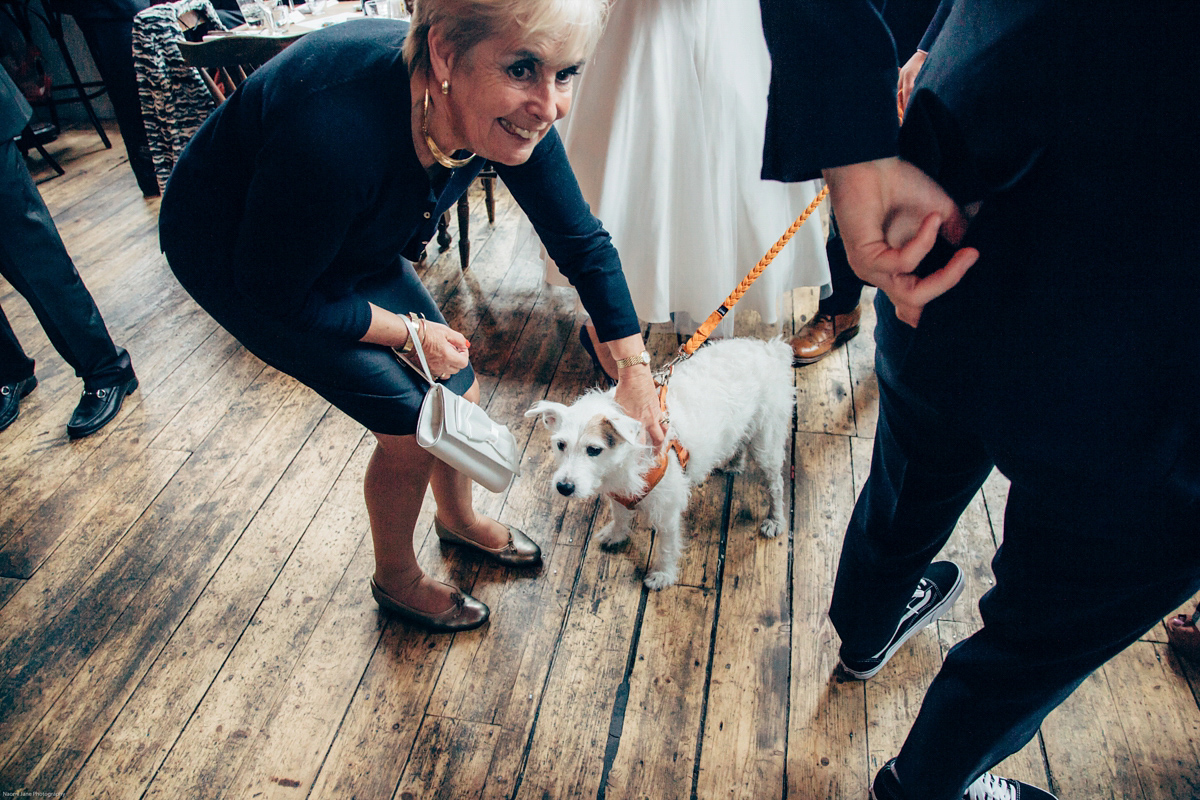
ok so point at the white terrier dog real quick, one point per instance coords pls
(731, 397)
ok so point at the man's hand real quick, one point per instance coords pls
(889, 214)
(908, 78)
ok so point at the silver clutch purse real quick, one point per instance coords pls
(459, 432)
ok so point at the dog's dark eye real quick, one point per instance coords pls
(594, 451)
(562, 445)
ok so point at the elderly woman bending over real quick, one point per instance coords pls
(374, 133)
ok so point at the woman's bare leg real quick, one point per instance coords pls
(452, 491)
(394, 488)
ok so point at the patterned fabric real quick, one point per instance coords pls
(174, 98)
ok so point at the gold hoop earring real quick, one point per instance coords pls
(438, 155)
(445, 87)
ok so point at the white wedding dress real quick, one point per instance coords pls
(665, 135)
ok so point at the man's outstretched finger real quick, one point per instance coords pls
(937, 283)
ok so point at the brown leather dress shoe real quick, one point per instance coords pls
(521, 551)
(821, 334)
(464, 614)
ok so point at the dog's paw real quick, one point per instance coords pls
(609, 538)
(735, 465)
(770, 528)
(660, 580)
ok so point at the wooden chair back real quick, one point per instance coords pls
(224, 61)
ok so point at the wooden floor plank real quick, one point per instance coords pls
(971, 546)
(827, 742)
(517, 700)
(661, 722)
(745, 729)
(106, 470)
(88, 542)
(824, 399)
(306, 715)
(566, 755)
(154, 716)
(1087, 747)
(453, 764)
(375, 740)
(67, 704)
(1160, 719)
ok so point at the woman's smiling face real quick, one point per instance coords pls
(504, 96)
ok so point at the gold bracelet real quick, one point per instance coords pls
(419, 322)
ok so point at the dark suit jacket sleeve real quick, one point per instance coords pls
(833, 87)
(546, 190)
(997, 87)
(935, 26)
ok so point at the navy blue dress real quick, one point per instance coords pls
(301, 200)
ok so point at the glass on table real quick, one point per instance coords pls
(390, 9)
(281, 13)
(316, 6)
(257, 15)
(262, 14)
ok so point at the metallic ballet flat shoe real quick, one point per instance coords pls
(521, 551)
(466, 613)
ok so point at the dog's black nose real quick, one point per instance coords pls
(565, 489)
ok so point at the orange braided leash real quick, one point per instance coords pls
(714, 319)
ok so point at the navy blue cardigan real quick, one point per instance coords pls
(306, 181)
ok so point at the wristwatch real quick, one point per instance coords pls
(642, 358)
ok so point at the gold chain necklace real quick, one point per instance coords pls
(438, 155)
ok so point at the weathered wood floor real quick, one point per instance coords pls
(185, 611)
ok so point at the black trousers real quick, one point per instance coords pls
(34, 260)
(111, 44)
(1079, 575)
(846, 287)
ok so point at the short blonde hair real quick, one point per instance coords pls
(572, 26)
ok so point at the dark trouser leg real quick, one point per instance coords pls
(1073, 589)
(111, 44)
(34, 260)
(14, 364)
(847, 287)
(924, 472)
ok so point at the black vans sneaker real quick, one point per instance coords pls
(987, 787)
(937, 591)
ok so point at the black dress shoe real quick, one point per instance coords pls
(10, 399)
(97, 407)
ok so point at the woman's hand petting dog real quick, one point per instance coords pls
(638, 396)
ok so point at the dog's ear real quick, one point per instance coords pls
(551, 413)
(627, 428)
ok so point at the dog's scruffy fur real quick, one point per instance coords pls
(732, 397)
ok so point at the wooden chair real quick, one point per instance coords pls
(224, 62)
(488, 176)
(21, 13)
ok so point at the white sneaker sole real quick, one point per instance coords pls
(934, 615)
